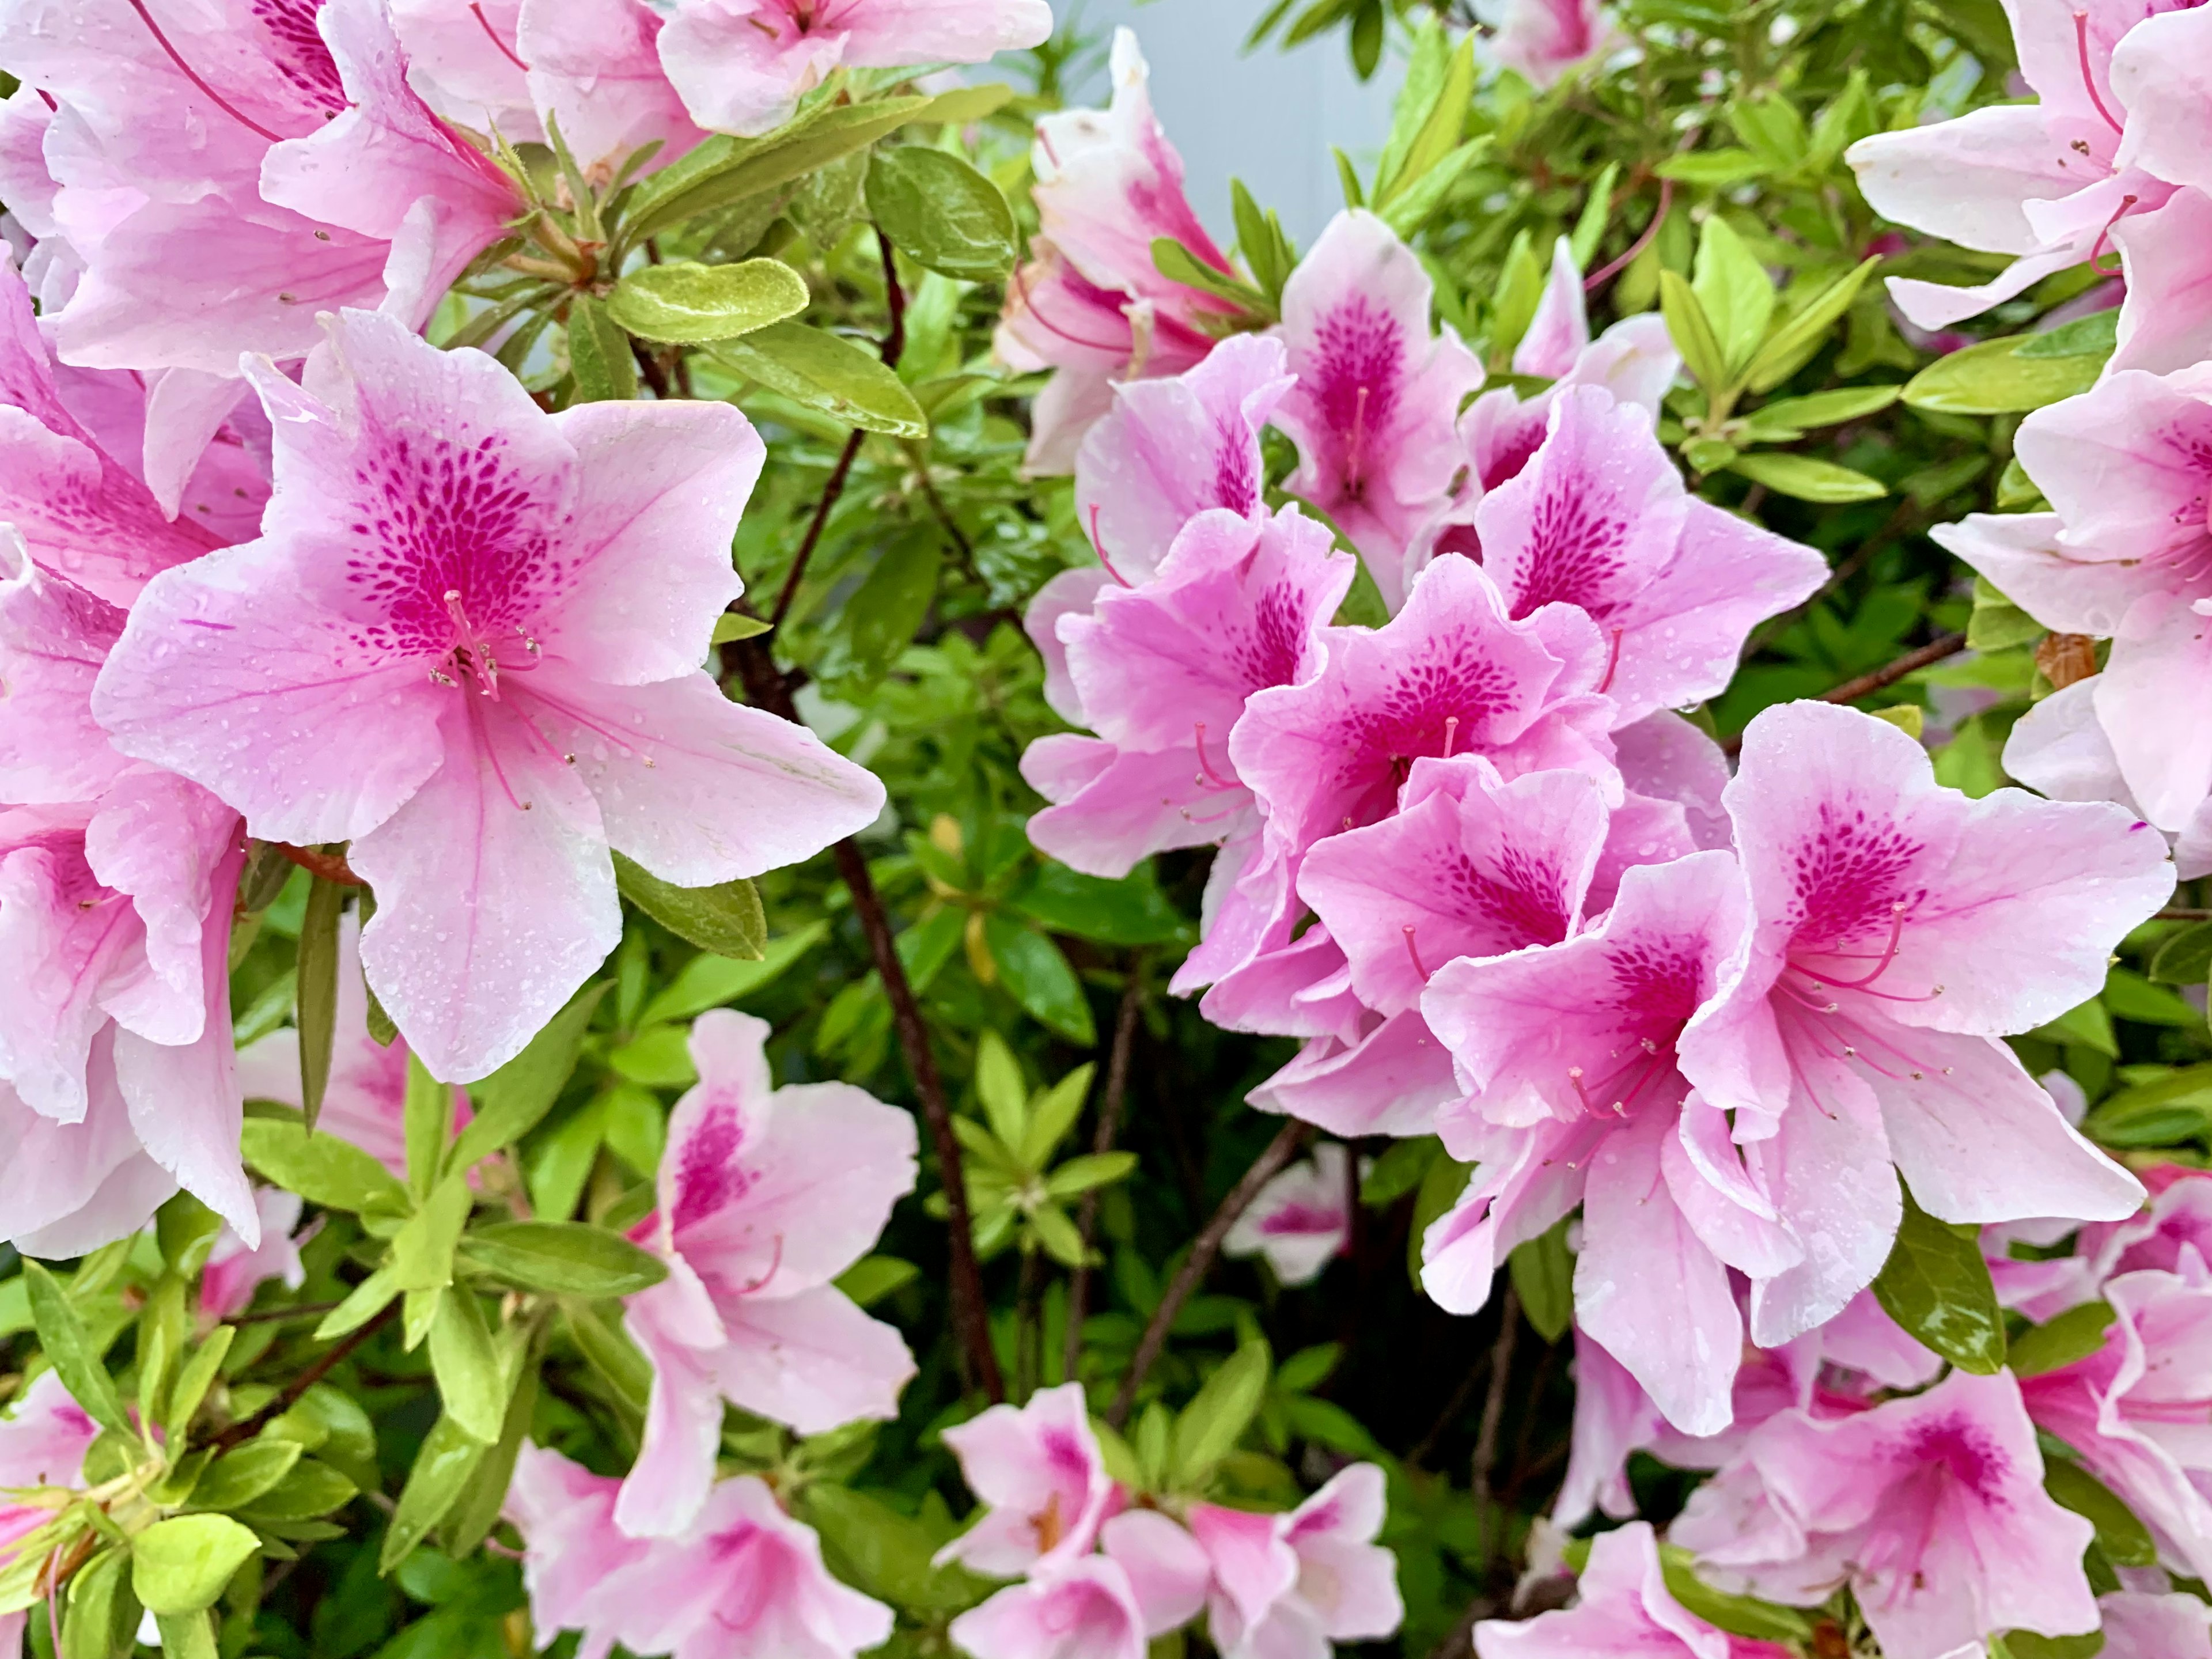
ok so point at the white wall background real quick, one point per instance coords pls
(1270, 118)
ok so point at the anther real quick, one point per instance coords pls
(1414, 952)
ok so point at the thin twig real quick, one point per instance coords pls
(2182, 912)
(1286, 1145)
(243, 1430)
(330, 867)
(1494, 1416)
(1948, 645)
(272, 1315)
(832, 492)
(1109, 1129)
(649, 364)
(894, 298)
(1598, 278)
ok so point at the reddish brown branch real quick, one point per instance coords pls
(326, 866)
(1109, 1129)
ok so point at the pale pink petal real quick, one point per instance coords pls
(1089, 1612)
(2166, 323)
(1169, 1573)
(68, 1188)
(2161, 659)
(595, 69)
(164, 843)
(1070, 593)
(813, 1360)
(1560, 333)
(892, 33)
(1390, 1080)
(1254, 1567)
(1965, 180)
(53, 638)
(2150, 1626)
(1114, 808)
(742, 67)
(1614, 1417)
(2161, 72)
(668, 1484)
(2021, 554)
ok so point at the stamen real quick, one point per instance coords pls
(193, 75)
(1889, 955)
(1098, 542)
(1574, 1081)
(2089, 76)
(1021, 288)
(1451, 734)
(1355, 454)
(2097, 252)
(505, 51)
(1612, 662)
(1206, 772)
(1413, 950)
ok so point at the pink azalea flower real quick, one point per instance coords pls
(742, 65)
(1039, 1471)
(1091, 305)
(511, 641)
(2102, 160)
(1086, 1610)
(1931, 1509)
(1300, 1219)
(1175, 449)
(236, 1269)
(592, 66)
(1294, 1582)
(766, 1195)
(366, 1099)
(1545, 39)
(1568, 1055)
(1624, 1610)
(2142, 1626)
(115, 888)
(2135, 1410)
(745, 1578)
(279, 169)
(1162, 672)
(81, 511)
(1599, 518)
(1376, 409)
(43, 1442)
(2177, 1220)
(1859, 1030)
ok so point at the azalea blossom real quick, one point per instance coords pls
(741, 66)
(746, 1577)
(1568, 1054)
(2102, 161)
(1376, 408)
(1623, 1610)
(1300, 1219)
(1293, 1583)
(1038, 1468)
(1087, 1610)
(765, 1196)
(1858, 1029)
(508, 617)
(1544, 39)
(1090, 304)
(2140, 1625)
(43, 1442)
(1162, 673)
(1931, 1509)
(236, 1269)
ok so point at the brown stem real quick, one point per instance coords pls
(1286, 1145)
(2182, 912)
(969, 1319)
(239, 1433)
(649, 364)
(1597, 277)
(1949, 645)
(1109, 1129)
(832, 493)
(328, 867)
(893, 347)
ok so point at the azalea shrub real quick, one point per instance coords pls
(784, 874)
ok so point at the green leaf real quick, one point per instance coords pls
(2120, 1534)
(1788, 419)
(239, 1476)
(599, 353)
(1399, 1171)
(1001, 1088)
(2185, 958)
(1798, 336)
(321, 1168)
(608, 1351)
(872, 1278)
(1209, 1427)
(1513, 302)
(466, 1364)
(1052, 1115)
(2087, 1024)
(1739, 1616)
(310, 1491)
(477, 1512)
(1734, 291)
(733, 626)
(2060, 1340)
(1131, 911)
(1309, 1368)
(1802, 478)
(2165, 1110)
(712, 981)
(428, 1123)
(1059, 1236)
(1410, 209)
(102, 1621)
(1179, 264)
(422, 1250)
(442, 1468)
(181, 1566)
(1080, 1175)
(726, 920)
(195, 1380)
(1996, 623)
(2130, 996)
(1442, 1183)
(1714, 169)
(2026, 1644)
(70, 1348)
(1993, 379)
(562, 1258)
(1692, 332)
(186, 1636)
(826, 372)
(363, 1303)
(1543, 1270)
(1596, 213)
(1039, 978)
(942, 213)
(2097, 335)
(687, 303)
(1936, 1285)
(887, 1554)
(513, 1100)
(317, 994)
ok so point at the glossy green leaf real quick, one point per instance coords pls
(599, 353)
(512, 1102)
(1802, 329)
(713, 981)
(829, 373)
(186, 1636)
(886, 1554)
(1739, 1616)
(1001, 1088)
(427, 1122)
(180, 1566)
(1131, 911)
(363, 1303)
(2120, 1533)
(1993, 379)
(1175, 261)
(2185, 957)
(422, 1250)
(102, 1620)
(69, 1346)
(312, 1490)
(942, 213)
(1936, 1285)
(466, 1364)
(477, 1512)
(726, 920)
(321, 1168)
(442, 1469)
(872, 1278)
(1734, 293)
(1543, 1270)
(1032, 968)
(687, 303)
(1786, 419)
(1052, 1114)
(1092, 1169)
(2097, 335)
(562, 1258)
(194, 1381)
(239, 1476)
(318, 993)
(2060, 1340)
(1693, 332)
(1208, 1429)
(1804, 479)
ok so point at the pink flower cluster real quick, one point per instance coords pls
(2114, 153)
(1101, 1576)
